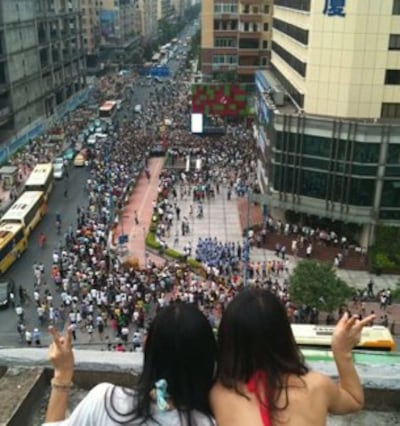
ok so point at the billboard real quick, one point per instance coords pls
(223, 99)
(108, 23)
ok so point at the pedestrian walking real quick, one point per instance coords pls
(136, 218)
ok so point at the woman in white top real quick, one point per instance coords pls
(173, 388)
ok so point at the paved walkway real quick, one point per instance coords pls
(141, 201)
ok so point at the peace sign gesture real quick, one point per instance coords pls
(61, 355)
(348, 332)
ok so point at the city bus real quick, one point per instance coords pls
(108, 111)
(41, 179)
(13, 243)
(375, 338)
(27, 211)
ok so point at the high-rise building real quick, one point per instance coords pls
(235, 37)
(329, 111)
(120, 41)
(90, 25)
(41, 60)
(146, 20)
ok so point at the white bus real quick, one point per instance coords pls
(108, 110)
(28, 210)
(41, 179)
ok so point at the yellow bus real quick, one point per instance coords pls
(41, 179)
(13, 243)
(28, 210)
(375, 338)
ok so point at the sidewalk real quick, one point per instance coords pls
(141, 200)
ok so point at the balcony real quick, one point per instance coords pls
(247, 69)
(225, 16)
(225, 33)
(223, 67)
(250, 17)
(249, 52)
(249, 34)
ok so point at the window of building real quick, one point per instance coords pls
(265, 44)
(266, 9)
(225, 8)
(225, 42)
(294, 4)
(366, 152)
(313, 184)
(391, 193)
(390, 110)
(264, 61)
(266, 26)
(255, 9)
(291, 30)
(392, 77)
(362, 192)
(394, 42)
(394, 154)
(396, 7)
(316, 145)
(246, 8)
(299, 66)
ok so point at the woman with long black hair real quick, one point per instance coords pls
(173, 388)
(262, 379)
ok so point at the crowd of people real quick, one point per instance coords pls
(114, 303)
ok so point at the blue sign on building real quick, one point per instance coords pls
(335, 8)
(162, 71)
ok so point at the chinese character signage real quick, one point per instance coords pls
(335, 8)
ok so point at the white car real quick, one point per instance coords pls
(138, 108)
(91, 140)
(58, 170)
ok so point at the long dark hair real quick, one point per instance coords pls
(181, 349)
(255, 336)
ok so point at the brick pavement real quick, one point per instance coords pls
(140, 201)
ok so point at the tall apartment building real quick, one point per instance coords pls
(120, 41)
(329, 111)
(91, 25)
(235, 36)
(41, 60)
(165, 9)
(146, 20)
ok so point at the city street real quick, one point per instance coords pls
(22, 271)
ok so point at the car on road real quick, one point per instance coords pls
(7, 286)
(80, 159)
(58, 170)
(91, 140)
(138, 108)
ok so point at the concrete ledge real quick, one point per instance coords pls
(381, 382)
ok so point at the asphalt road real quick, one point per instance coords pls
(22, 271)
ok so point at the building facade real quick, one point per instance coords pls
(42, 60)
(328, 112)
(146, 20)
(235, 37)
(90, 25)
(120, 40)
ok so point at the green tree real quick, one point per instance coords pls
(317, 285)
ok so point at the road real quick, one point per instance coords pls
(22, 271)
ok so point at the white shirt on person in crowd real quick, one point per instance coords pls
(91, 411)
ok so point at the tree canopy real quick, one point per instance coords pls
(317, 285)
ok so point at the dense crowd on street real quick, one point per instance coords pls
(112, 302)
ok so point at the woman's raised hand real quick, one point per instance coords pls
(61, 354)
(347, 333)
